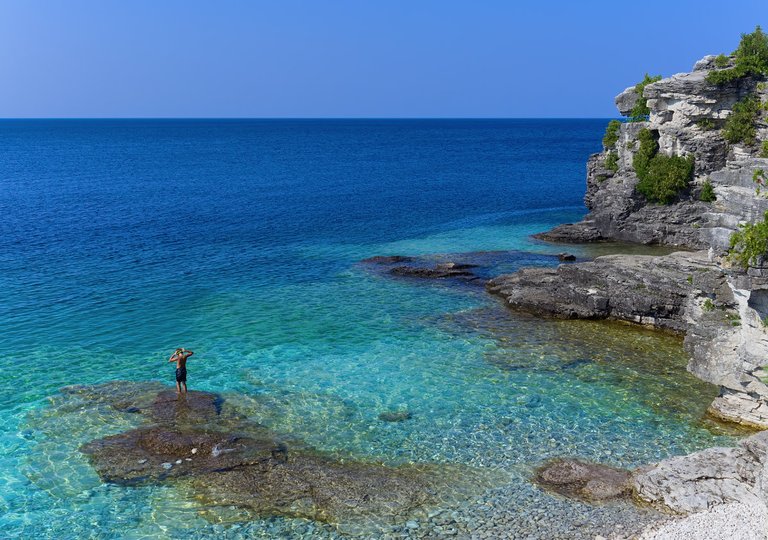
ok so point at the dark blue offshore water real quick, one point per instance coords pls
(123, 239)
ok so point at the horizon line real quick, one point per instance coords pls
(11, 118)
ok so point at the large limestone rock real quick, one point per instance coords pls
(642, 289)
(711, 477)
(580, 479)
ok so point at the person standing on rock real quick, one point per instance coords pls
(180, 357)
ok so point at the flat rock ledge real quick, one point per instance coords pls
(223, 459)
(636, 288)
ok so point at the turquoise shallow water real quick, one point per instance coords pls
(242, 241)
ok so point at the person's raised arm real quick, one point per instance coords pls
(187, 353)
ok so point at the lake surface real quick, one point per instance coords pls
(241, 240)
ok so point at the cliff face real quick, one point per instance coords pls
(721, 309)
(687, 115)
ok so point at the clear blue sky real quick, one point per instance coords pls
(353, 58)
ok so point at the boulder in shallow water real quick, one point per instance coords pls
(582, 480)
(440, 271)
(224, 459)
(387, 259)
(395, 416)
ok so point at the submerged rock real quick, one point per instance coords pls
(387, 259)
(224, 459)
(395, 416)
(439, 271)
(587, 481)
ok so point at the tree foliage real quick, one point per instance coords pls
(641, 111)
(740, 124)
(661, 177)
(750, 57)
(750, 243)
(707, 192)
(611, 134)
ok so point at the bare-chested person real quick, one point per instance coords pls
(180, 357)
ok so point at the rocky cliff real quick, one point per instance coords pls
(687, 114)
(722, 309)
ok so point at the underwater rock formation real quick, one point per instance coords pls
(225, 459)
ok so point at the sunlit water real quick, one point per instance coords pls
(121, 240)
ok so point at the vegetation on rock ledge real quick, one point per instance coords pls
(740, 124)
(662, 177)
(751, 58)
(612, 162)
(707, 192)
(611, 136)
(641, 111)
(750, 243)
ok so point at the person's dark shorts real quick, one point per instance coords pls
(181, 374)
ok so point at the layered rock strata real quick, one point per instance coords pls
(687, 114)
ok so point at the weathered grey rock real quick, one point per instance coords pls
(728, 343)
(626, 101)
(643, 289)
(706, 63)
(707, 478)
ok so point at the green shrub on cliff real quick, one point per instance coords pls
(612, 162)
(667, 176)
(661, 177)
(750, 243)
(740, 124)
(646, 151)
(611, 136)
(751, 58)
(641, 111)
(721, 61)
(764, 149)
(707, 192)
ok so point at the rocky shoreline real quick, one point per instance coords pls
(719, 307)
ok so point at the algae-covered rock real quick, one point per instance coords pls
(582, 480)
(221, 458)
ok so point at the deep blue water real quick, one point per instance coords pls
(123, 239)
